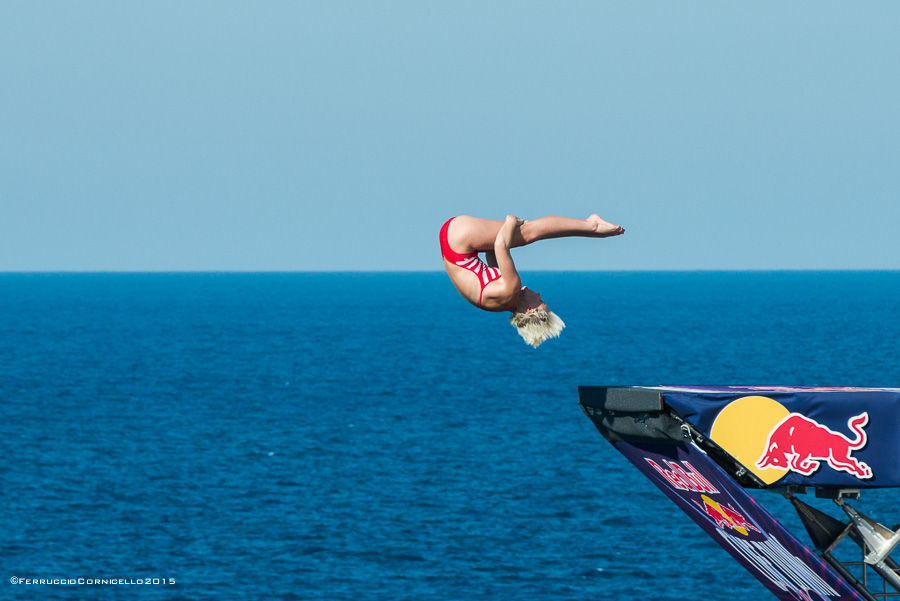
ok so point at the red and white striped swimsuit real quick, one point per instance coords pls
(485, 274)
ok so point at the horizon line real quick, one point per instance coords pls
(424, 271)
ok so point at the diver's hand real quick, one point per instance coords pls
(507, 230)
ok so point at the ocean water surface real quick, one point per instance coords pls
(373, 436)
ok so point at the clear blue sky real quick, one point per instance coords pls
(340, 135)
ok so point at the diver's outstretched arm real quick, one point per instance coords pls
(507, 288)
(502, 244)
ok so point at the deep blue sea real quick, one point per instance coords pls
(333, 437)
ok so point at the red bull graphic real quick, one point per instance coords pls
(749, 533)
(726, 516)
(795, 435)
(801, 444)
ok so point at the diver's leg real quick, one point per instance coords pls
(562, 227)
(472, 234)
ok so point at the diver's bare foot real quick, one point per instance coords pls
(603, 228)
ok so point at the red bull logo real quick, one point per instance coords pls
(801, 444)
(726, 516)
(684, 477)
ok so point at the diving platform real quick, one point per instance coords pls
(704, 446)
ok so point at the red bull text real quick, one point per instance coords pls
(684, 478)
(784, 570)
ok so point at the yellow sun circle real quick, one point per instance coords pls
(742, 428)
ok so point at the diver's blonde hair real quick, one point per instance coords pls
(538, 326)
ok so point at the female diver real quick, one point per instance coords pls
(495, 285)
